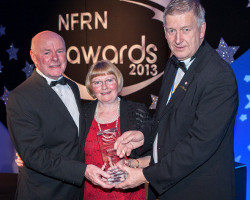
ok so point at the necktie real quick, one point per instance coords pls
(61, 81)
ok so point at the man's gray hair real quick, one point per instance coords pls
(183, 6)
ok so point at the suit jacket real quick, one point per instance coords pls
(133, 116)
(195, 131)
(46, 138)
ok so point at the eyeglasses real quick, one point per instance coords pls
(108, 81)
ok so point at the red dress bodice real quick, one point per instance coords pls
(93, 156)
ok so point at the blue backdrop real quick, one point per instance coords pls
(241, 68)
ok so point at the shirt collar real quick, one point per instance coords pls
(188, 62)
(47, 78)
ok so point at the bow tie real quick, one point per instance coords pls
(182, 66)
(179, 64)
(61, 81)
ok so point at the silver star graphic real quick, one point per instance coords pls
(1, 66)
(237, 159)
(247, 78)
(12, 51)
(28, 69)
(226, 52)
(154, 102)
(248, 105)
(243, 118)
(2, 30)
(5, 95)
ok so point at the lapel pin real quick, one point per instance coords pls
(186, 83)
(182, 87)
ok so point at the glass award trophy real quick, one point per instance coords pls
(106, 140)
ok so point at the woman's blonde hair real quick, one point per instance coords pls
(101, 68)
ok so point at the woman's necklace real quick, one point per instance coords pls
(113, 119)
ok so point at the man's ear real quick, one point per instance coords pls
(202, 30)
(165, 32)
(33, 57)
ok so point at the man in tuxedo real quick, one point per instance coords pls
(47, 127)
(192, 132)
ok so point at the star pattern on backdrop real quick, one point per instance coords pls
(5, 95)
(1, 66)
(154, 102)
(237, 159)
(2, 30)
(28, 69)
(247, 78)
(248, 147)
(248, 105)
(12, 51)
(243, 117)
(226, 52)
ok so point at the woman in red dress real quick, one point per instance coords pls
(104, 82)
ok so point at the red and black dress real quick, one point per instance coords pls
(93, 156)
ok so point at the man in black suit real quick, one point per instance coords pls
(47, 127)
(192, 133)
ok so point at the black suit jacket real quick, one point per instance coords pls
(46, 137)
(196, 130)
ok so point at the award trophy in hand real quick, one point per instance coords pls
(106, 141)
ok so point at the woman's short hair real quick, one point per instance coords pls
(101, 68)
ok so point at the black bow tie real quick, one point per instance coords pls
(61, 81)
(179, 64)
(182, 66)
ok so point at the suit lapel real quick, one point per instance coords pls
(79, 106)
(54, 99)
(188, 78)
(168, 79)
(59, 105)
(180, 91)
